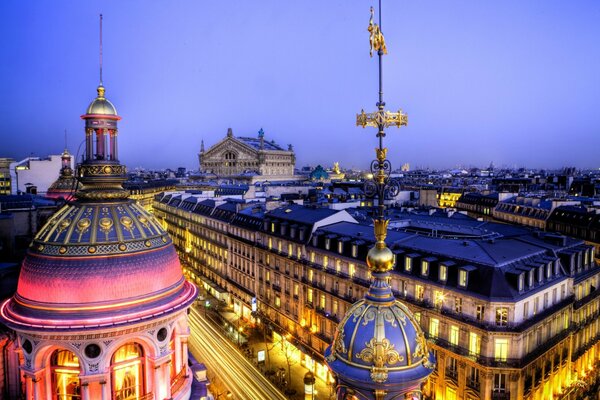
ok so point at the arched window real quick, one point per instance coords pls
(127, 367)
(230, 158)
(65, 375)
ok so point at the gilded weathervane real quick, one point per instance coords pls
(376, 39)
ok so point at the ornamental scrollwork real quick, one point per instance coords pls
(380, 353)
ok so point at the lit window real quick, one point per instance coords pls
(340, 247)
(500, 383)
(521, 282)
(408, 264)
(502, 316)
(270, 245)
(454, 335)
(434, 327)
(480, 312)
(354, 250)
(438, 299)
(351, 270)
(462, 278)
(322, 301)
(312, 256)
(418, 317)
(127, 367)
(290, 249)
(309, 296)
(501, 349)
(272, 227)
(458, 305)
(277, 301)
(325, 261)
(419, 292)
(474, 343)
(443, 273)
(424, 268)
(65, 374)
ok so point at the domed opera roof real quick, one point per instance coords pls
(100, 262)
(101, 105)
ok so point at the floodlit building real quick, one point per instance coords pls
(247, 159)
(510, 314)
(89, 323)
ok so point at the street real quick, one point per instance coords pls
(211, 347)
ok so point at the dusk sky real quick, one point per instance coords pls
(516, 83)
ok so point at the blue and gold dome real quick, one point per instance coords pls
(379, 350)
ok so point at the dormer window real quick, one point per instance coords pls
(530, 278)
(340, 247)
(521, 282)
(315, 240)
(443, 273)
(463, 275)
(540, 274)
(425, 268)
(549, 270)
(273, 227)
(408, 264)
(556, 267)
(462, 278)
(354, 250)
(327, 243)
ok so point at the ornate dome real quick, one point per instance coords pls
(101, 260)
(379, 347)
(101, 105)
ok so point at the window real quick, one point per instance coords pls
(325, 261)
(462, 278)
(501, 316)
(270, 245)
(322, 301)
(540, 275)
(501, 349)
(424, 268)
(127, 367)
(351, 270)
(65, 374)
(454, 335)
(296, 289)
(434, 327)
(327, 243)
(536, 304)
(419, 292)
(530, 278)
(526, 310)
(408, 264)
(480, 312)
(458, 305)
(545, 300)
(554, 295)
(340, 247)
(443, 273)
(521, 282)
(450, 393)
(418, 317)
(474, 343)
(277, 301)
(311, 275)
(548, 270)
(309, 296)
(499, 382)
(438, 299)
(290, 249)
(354, 250)
(334, 307)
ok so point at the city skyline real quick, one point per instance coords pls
(487, 82)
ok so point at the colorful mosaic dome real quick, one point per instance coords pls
(101, 260)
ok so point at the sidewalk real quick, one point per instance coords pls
(275, 365)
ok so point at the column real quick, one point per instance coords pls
(85, 391)
(177, 353)
(184, 351)
(487, 385)
(89, 144)
(106, 143)
(28, 387)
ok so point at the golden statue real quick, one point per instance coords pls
(336, 167)
(376, 39)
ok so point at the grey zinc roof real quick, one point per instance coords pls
(255, 143)
(306, 215)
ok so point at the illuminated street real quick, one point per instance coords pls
(211, 347)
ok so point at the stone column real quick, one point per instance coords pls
(184, 351)
(177, 353)
(487, 385)
(28, 387)
(85, 391)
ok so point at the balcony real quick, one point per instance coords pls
(473, 384)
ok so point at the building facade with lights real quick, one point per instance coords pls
(509, 313)
(247, 159)
(100, 307)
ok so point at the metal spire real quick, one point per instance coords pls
(380, 185)
(100, 49)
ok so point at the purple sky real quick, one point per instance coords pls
(513, 82)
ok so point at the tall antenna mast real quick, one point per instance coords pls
(65, 139)
(100, 49)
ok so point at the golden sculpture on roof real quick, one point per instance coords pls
(376, 39)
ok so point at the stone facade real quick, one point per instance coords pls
(248, 159)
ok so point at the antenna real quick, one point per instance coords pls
(65, 139)
(100, 49)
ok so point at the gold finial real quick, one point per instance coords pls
(376, 39)
(100, 91)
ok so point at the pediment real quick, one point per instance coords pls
(230, 144)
